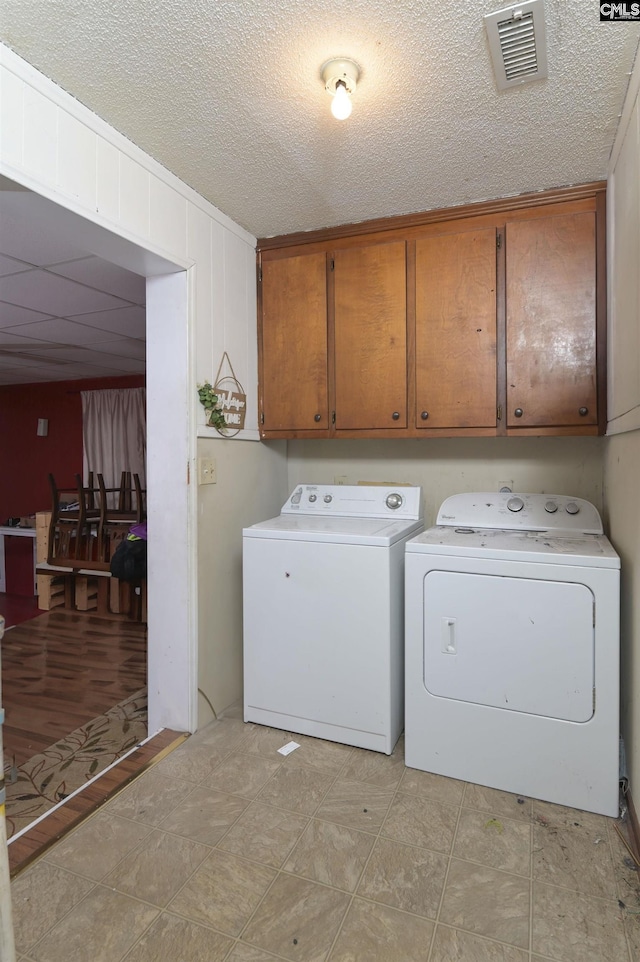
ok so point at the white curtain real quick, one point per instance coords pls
(114, 433)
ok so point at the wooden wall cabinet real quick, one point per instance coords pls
(551, 321)
(370, 337)
(455, 329)
(294, 349)
(485, 321)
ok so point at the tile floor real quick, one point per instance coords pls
(226, 851)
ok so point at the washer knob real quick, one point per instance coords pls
(515, 504)
(313, 497)
(328, 499)
(393, 501)
(572, 507)
(551, 507)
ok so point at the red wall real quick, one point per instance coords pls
(26, 459)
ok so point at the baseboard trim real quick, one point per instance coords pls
(634, 828)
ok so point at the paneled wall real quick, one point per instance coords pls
(622, 458)
(122, 205)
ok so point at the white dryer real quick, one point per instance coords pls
(512, 648)
(324, 613)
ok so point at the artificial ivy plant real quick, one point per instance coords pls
(209, 401)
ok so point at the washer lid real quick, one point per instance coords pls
(547, 547)
(328, 530)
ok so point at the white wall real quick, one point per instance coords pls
(622, 457)
(450, 465)
(131, 210)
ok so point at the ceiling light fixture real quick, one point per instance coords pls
(340, 79)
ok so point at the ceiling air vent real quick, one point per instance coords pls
(517, 43)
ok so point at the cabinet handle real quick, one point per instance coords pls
(317, 417)
(518, 412)
(396, 415)
(424, 415)
(583, 412)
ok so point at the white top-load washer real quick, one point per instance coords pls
(512, 648)
(324, 613)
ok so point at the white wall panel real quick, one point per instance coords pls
(76, 146)
(199, 249)
(40, 136)
(235, 304)
(624, 278)
(134, 198)
(622, 450)
(108, 180)
(11, 117)
(168, 217)
(251, 383)
(218, 293)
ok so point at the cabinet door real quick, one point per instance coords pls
(456, 330)
(370, 285)
(294, 343)
(551, 321)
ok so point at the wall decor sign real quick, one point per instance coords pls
(232, 400)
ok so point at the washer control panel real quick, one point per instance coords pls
(356, 501)
(527, 512)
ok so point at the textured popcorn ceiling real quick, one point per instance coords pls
(227, 94)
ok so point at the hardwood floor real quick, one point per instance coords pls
(62, 669)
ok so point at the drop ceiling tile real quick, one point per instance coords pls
(11, 315)
(76, 371)
(77, 355)
(15, 337)
(8, 361)
(9, 265)
(123, 347)
(61, 331)
(128, 321)
(103, 276)
(125, 365)
(42, 291)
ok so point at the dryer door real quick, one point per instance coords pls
(518, 644)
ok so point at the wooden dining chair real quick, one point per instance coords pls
(141, 499)
(74, 526)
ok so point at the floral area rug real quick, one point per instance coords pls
(49, 777)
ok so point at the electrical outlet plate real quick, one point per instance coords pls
(340, 479)
(505, 485)
(206, 471)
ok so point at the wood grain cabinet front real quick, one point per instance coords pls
(293, 344)
(488, 322)
(370, 323)
(456, 330)
(551, 321)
